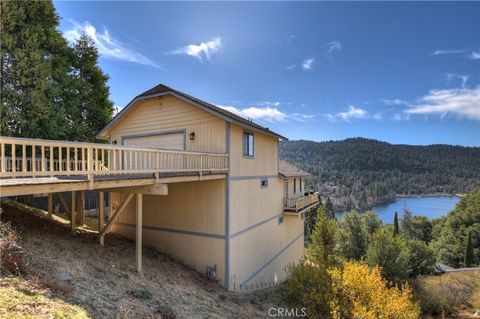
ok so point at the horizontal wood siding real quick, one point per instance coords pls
(264, 161)
(250, 204)
(271, 246)
(188, 223)
(147, 117)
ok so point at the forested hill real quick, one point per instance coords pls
(359, 172)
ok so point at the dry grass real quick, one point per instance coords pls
(457, 294)
(104, 283)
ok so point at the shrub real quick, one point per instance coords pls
(308, 286)
(361, 292)
(387, 251)
(442, 294)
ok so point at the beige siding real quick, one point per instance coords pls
(299, 191)
(175, 114)
(264, 161)
(250, 204)
(271, 246)
(186, 223)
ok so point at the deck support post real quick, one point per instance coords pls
(111, 219)
(101, 214)
(138, 232)
(50, 205)
(72, 211)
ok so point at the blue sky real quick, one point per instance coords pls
(404, 72)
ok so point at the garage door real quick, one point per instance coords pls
(170, 141)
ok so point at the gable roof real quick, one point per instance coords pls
(288, 170)
(162, 89)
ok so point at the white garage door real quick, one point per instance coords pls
(170, 141)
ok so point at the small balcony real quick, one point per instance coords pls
(301, 204)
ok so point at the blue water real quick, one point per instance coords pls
(429, 206)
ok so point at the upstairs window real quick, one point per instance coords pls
(248, 144)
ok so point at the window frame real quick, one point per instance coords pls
(247, 141)
(262, 183)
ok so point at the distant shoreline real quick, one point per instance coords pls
(428, 195)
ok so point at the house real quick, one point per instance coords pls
(241, 229)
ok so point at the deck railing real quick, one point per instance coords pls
(296, 204)
(24, 157)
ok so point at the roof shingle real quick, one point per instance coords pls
(288, 170)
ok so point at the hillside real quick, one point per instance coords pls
(358, 172)
(67, 276)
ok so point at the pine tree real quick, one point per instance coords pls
(396, 228)
(33, 63)
(92, 109)
(329, 208)
(468, 261)
(322, 239)
(48, 89)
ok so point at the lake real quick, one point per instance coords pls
(429, 206)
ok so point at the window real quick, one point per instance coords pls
(280, 220)
(300, 185)
(248, 144)
(294, 185)
(264, 183)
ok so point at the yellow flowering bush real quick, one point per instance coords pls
(360, 292)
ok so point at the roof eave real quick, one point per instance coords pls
(103, 133)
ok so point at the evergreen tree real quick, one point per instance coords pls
(329, 208)
(396, 228)
(33, 63)
(351, 237)
(48, 89)
(468, 260)
(92, 109)
(322, 239)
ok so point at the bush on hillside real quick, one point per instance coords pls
(309, 287)
(361, 292)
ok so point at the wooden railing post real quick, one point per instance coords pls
(90, 166)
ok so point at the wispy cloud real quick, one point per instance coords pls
(449, 77)
(201, 50)
(107, 46)
(334, 46)
(352, 113)
(270, 103)
(268, 113)
(474, 56)
(443, 52)
(290, 67)
(461, 103)
(307, 64)
(394, 102)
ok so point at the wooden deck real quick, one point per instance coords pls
(34, 166)
(296, 206)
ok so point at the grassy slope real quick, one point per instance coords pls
(104, 282)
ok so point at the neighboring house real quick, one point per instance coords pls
(245, 227)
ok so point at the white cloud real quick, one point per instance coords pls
(334, 46)
(452, 76)
(394, 102)
(269, 114)
(443, 52)
(307, 64)
(201, 50)
(107, 46)
(352, 113)
(291, 67)
(474, 56)
(462, 103)
(270, 103)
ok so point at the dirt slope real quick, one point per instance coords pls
(102, 280)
